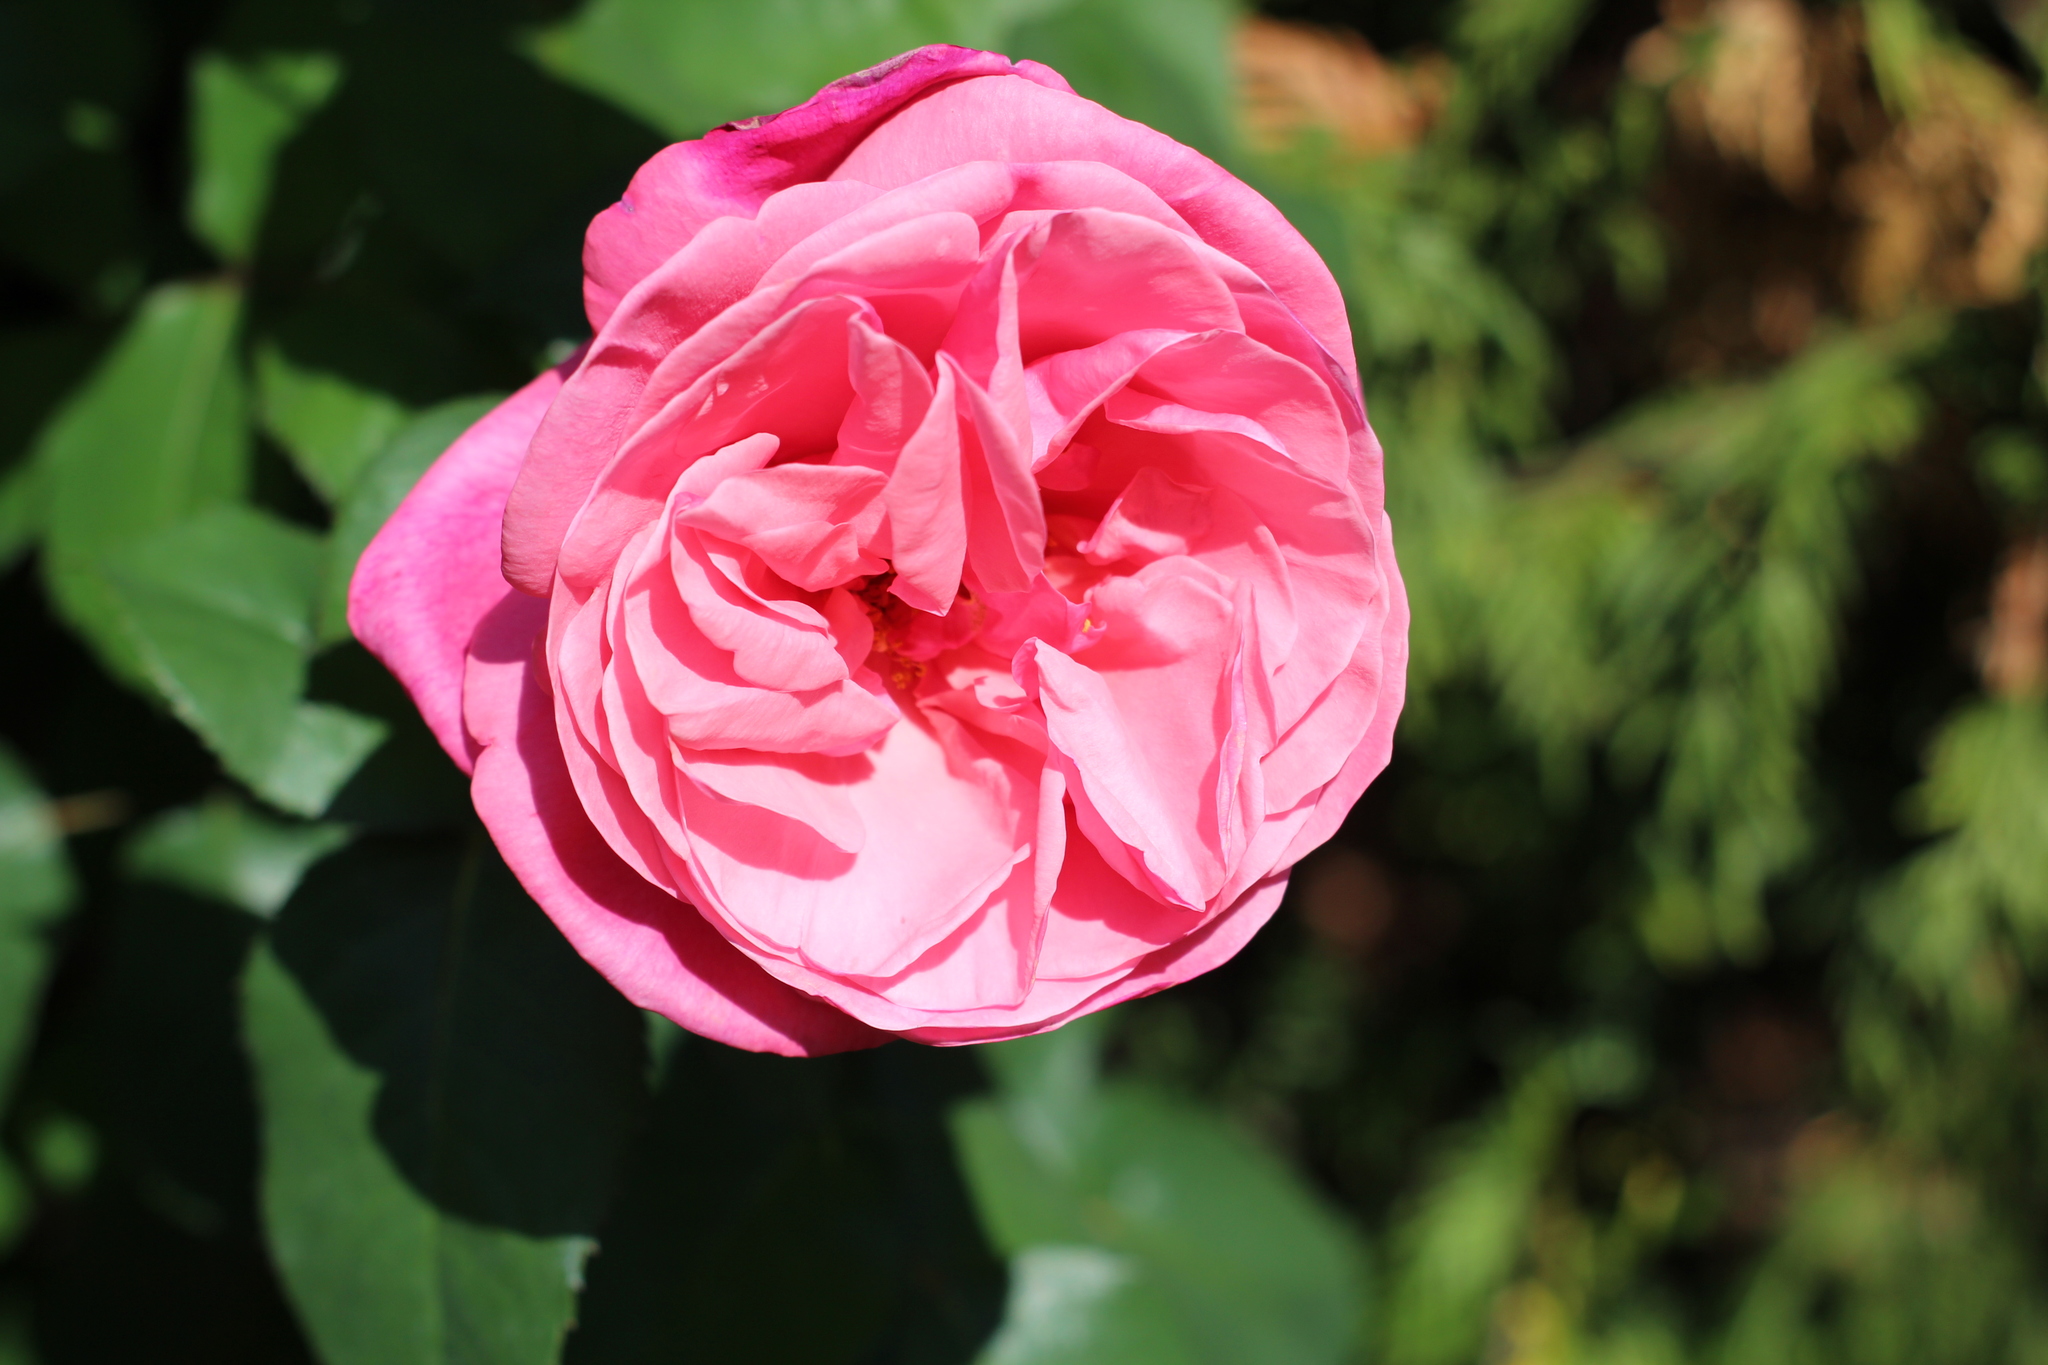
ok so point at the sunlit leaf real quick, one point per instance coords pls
(1150, 1216)
(219, 611)
(156, 434)
(1167, 66)
(685, 68)
(242, 112)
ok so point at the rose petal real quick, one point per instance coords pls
(658, 951)
(994, 120)
(432, 572)
(730, 170)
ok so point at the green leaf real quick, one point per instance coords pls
(1079, 1305)
(42, 364)
(242, 113)
(685, 68)
(446, 1092)
(225, 850)
(331, 428)
(1461, 1239)
(1167, 66)
(834, 1189)
(376, 494)
(156, 434)
(35, 888)
(219, 613)
(1150, 1218)
(21, 511)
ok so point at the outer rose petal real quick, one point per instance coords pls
(730, 170)
(434, 569)
(659, 952)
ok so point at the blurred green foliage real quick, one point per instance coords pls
(1676, 996)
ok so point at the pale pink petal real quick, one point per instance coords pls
(1066, 388)
(805, 521)
(1005, 519)
(1204, 950)
(1150, 730)
(1371, 756)
(787, 646)
(1100, 274)
(960, 814)
(891, 393)
(808, 789)
(927, 524)
(788, 381)
(1101, 923)
(680, 675)
(996, 120)
(718, 269)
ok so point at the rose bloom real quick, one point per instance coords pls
(946, 596)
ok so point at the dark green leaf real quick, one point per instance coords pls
(55, 59)
(21, 511)
(331, 428)
(35, 887)
(224, 850)
(446, 1090)
(793, 1212)
(375, 495)
(685, 68)
(42, 363)
(156, 434)
(219, 613)
(241, 114)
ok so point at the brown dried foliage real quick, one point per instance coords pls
(1945, 183)
(1294, 78)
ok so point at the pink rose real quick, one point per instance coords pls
(945, 598)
